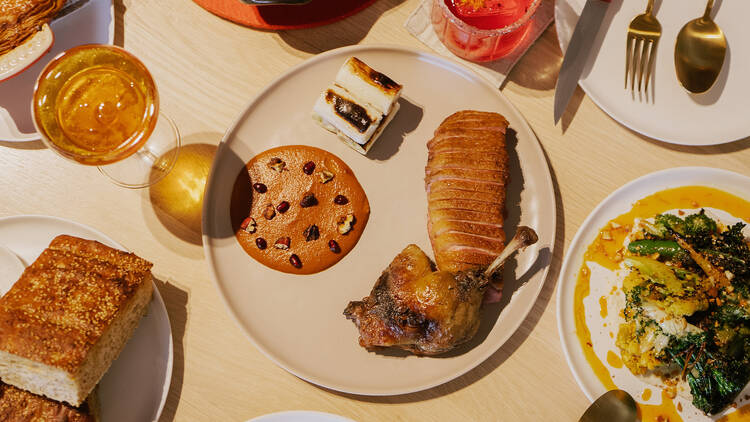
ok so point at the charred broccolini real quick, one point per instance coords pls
(688, 306)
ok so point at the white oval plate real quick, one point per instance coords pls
(296, 320)
(676, 116)
(93, 23)
(300, 416)
(135, 387)
(617, 203)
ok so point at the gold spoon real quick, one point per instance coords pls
(699, 52)
(612, 406)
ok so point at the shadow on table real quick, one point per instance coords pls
(728, 148)
(175, 300)
(338, 34)
(539, 67)
(516, 340)
(120, 9)
(176, 201)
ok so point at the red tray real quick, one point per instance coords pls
(315, 13)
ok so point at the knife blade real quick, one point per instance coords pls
(577, 53)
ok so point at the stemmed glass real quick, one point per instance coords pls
(98, 105)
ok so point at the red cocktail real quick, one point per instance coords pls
(482, 30)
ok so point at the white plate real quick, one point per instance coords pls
(675, 116)
(296, 320)
(93, 23)
(300, 416)
(617, 203)
(136, 385)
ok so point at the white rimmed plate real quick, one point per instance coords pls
(617, 203)
(93, 23)
(296, 320)
(674, 115)
(135, 387)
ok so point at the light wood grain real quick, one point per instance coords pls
(207, 69)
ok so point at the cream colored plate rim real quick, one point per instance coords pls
(516, 310)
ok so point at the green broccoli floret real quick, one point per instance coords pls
(730, 252)
(668, 223)
(699, 229)
(715, 381)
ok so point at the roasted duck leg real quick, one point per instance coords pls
(423, 311)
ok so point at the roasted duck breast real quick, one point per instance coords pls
(465, 178)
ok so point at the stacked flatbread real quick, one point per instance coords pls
(21, 19)
(67, 318)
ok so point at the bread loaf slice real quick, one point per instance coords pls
(17, 405)
(69, 316)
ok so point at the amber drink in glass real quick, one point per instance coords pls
(98, 105)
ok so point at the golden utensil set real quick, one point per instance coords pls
(699, 51)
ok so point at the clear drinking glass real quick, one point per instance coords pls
(98, 105)
(488, 33)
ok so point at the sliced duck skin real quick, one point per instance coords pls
(463, 142)
(451, 158)
(464, 215)
(485, 229)
(450, 149)
(450, 241)
(497, 176)
(464, 204)
(491, 197)
(459, 130)
(457, 164)
(471, 116)
(466, 146)
(465, 179)
(438, 184)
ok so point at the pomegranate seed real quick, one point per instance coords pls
(334, 246)
(282, 207)
(294, 260)
(340, 200)
(260, 187)
(261, 243)
(309, 167)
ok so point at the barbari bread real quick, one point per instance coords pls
(17, 405)
(69, 316)
(21, 19)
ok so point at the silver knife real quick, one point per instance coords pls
(577, 53)
(70, 7)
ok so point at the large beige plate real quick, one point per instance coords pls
(297, 320)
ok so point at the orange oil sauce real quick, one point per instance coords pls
(606, 250)
(646, 394)
(613, 360)
(663, 412)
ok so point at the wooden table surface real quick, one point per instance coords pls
(207, 70)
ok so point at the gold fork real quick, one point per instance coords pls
(643, 34)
